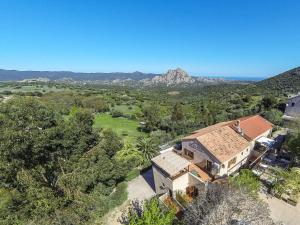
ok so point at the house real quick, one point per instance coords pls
(209, 154)
(292, 109)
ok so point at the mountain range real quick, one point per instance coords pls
(16, 75)
(170, 78)
(288, 81)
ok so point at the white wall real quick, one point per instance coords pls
(199, 152)
(197, 182)
(162, 183)
(241, 159)
(181, 183)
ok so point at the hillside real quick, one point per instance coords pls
(16, 75)
(176, 77)
(179, 77)
(287, 82)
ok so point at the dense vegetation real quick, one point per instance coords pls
(67, 151)
(287, 82)
(56, 170)
(217, 205)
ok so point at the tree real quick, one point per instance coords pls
(116, 113)
(151, 116)
(220, 205)
(130, 155)
(110, 142)
(147, 147)
(96, 103)
(26, 125)
(78, 134)
(177, 113)
(274, 116)
(148, 213)
(292, 144)
(160, 137)
(247, 180)
(268, 101)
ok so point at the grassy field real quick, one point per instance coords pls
(120, 125)
(29, 88)
(126, 110)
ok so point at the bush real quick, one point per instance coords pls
(132, 174)
(124, 133)
(246, 180)
(274, 116)
(119, 196)
(116, 113)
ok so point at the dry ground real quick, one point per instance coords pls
(140, 188)
(282, 211)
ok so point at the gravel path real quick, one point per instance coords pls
(141, 188)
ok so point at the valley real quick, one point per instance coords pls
(113, 127)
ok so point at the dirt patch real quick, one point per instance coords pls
(141, 188)
(173, 93)
(282, 211)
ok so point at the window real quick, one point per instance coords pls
(223, 166)
(242, 153)
(231, 162)
(293, 104)
(188, 153)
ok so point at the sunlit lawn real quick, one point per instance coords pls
(125, 109)
(119, 125)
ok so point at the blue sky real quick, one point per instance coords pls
(221, 38)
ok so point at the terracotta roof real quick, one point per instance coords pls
(224, 143)
(223, 139)
(254, 126)
(206, 130)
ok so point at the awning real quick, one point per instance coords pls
(267, 142)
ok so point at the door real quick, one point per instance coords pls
(208, 166)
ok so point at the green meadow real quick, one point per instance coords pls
(126, 128)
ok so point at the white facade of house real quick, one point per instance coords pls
(292, 109)
(199, 151)
(165, 182)
(200, 155)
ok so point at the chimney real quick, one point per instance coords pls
(238, 127)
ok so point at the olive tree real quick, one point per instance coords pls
(221, 205)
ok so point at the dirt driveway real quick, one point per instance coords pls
(282, 211)
(141, 188)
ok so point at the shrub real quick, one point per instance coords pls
(116, 113)
(246, 180)
(132, 174)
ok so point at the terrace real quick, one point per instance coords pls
(198, 171)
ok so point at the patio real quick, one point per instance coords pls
(196, 170)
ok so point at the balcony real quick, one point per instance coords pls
(198, 172)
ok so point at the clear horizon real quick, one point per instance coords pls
(216, 39)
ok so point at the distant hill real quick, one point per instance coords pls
(287, 82)
(178, 76)
(173, 77)
(15, 75)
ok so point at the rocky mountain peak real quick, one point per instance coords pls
(172, 77)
